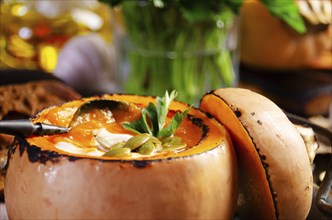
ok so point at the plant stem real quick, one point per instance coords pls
(169, 53)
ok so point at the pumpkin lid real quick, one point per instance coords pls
(275, 172)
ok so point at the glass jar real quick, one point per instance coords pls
(165, 51)
(33, 32)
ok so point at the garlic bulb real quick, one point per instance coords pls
(87, 64)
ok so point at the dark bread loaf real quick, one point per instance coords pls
(25, 100)
(29, 98)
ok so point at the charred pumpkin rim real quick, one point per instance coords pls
(37, 154)
(46, 154)
(263, 158)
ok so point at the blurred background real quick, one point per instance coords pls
(145, 47)
(34, 32)
(281, 49)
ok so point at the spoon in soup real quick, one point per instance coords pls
(109, 107)
(25, 128)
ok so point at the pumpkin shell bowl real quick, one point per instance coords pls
(200, 182)
(274, 168)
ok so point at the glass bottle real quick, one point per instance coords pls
(32, 33)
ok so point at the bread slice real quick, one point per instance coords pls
(25, 100)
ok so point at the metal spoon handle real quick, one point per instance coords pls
(20, 127)
(25, 128)
(47, 129)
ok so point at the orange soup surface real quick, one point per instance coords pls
(99, 124)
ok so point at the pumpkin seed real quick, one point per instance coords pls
(173, 143)
(147, 148)
(120, 152)
(137, 141)
(173, 147)
(172, 140)
(156, 142)
(104, 144)
(118, 145)
(167, 140)
(158, 146)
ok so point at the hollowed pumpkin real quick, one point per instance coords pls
(274, 168)
(269, 43)
(199, 182)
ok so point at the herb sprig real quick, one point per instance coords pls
(153, 118)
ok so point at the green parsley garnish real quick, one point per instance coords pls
(153, 118)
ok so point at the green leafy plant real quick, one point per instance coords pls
(184, 45)
(153, 118)
(198, 10)
(286, 11)
(175, 45)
